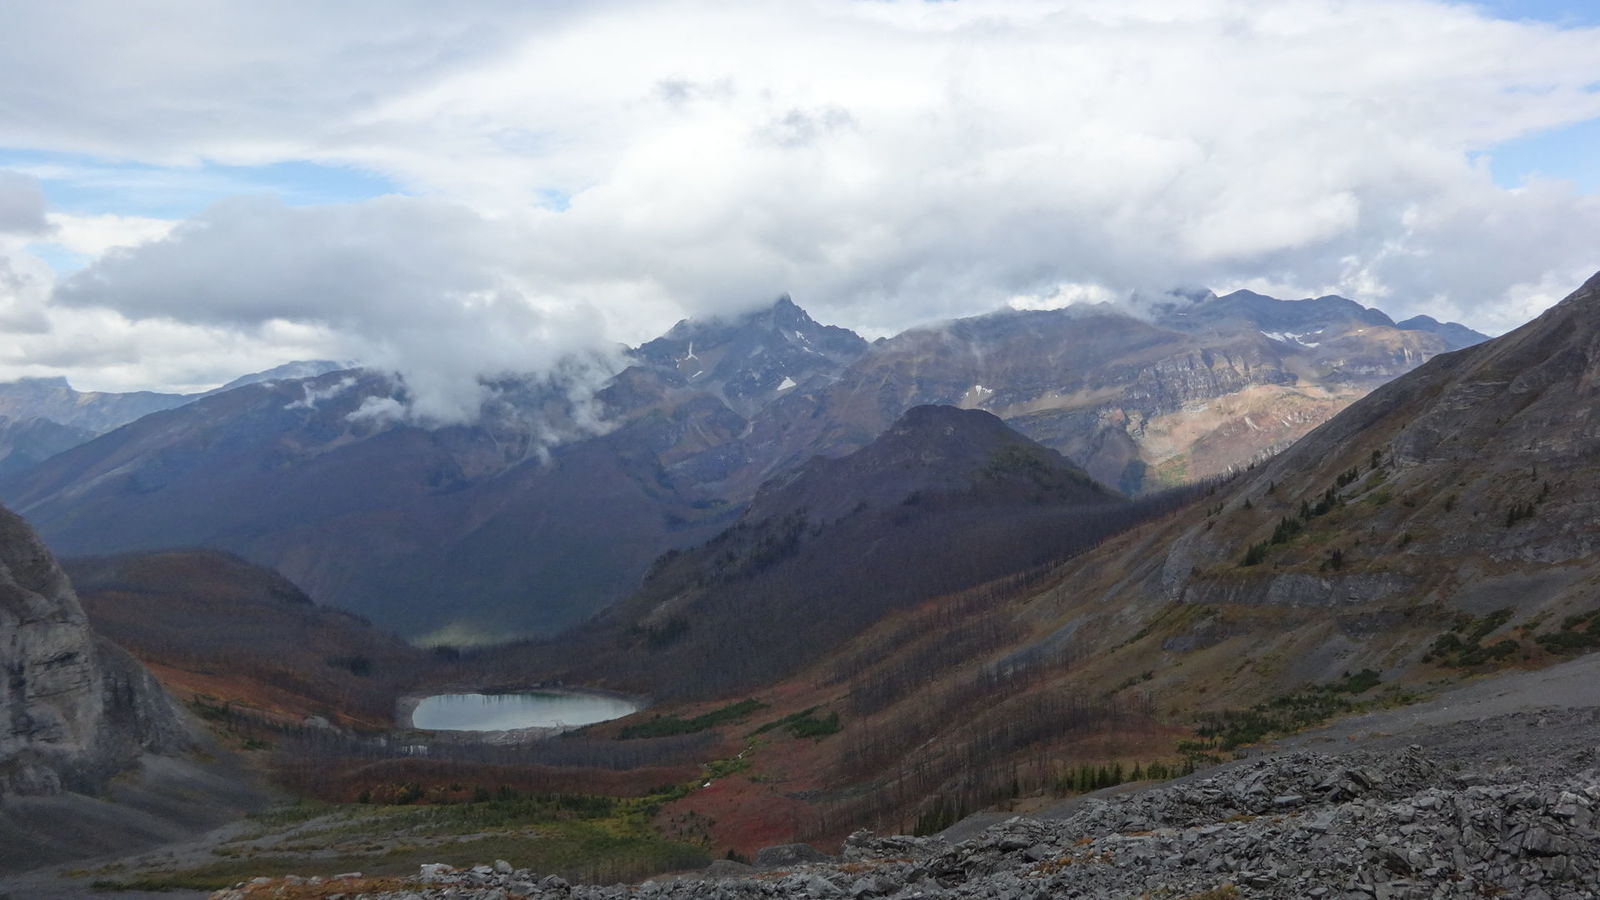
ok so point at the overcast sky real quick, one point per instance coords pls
(190, 190)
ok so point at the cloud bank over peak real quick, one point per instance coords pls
(583, 174)
(425, 288)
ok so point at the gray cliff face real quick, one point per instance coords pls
(73, 710)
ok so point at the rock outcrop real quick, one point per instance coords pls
(74, 710)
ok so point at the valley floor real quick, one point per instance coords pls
(1490, 785)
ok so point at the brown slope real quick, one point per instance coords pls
(215, 627)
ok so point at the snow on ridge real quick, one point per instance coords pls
(1289, 337)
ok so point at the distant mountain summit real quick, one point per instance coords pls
(748, 360)
(1456, 336)
(1282, 315)
(91, 411)
(306, 368)
(40, 417)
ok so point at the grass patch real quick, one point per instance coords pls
(1291, 712)
(580, 837)
(803, 724)
(668, 725)
(281, 816)
(1462, 646)
(1577, 634)
(1225, 892)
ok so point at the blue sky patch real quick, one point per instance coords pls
(1558, 12)
(1571, 153)
(75, 183)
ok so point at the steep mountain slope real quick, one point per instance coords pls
(944, 499)
(213, 626)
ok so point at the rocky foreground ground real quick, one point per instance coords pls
(1501, 807)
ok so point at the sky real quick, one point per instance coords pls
(192, 189)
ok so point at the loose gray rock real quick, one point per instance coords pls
(783, 856)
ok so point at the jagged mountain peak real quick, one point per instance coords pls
(782, 313)
(750, 359)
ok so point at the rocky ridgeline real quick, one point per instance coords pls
(1366, 825)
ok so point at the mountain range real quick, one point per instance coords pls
(482, 533)
(952, 615)
(1437, 530)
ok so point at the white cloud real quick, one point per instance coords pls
(313, 396)
(887, 163)
(93, 235)
(378, 410)
(1063, 295)
(428, 289)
